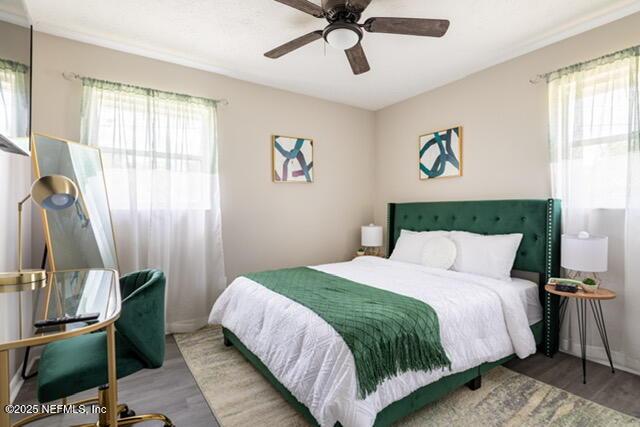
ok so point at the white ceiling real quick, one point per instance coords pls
(230, 37)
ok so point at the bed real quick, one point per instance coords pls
(310, 365)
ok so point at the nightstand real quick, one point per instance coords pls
(594, 299)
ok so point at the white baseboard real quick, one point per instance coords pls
(16, 384)
(597, 354)
(17, 381)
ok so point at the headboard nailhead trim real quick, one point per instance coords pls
(547, 346)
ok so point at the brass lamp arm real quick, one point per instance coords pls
(22, 202)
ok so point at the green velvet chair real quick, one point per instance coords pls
(77, 364)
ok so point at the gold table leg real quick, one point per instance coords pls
(5, 393)
(112, 401)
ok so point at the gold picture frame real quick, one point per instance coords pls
(306, 173)
(444, 161)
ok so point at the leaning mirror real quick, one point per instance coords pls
(81, 236)
(15, 59)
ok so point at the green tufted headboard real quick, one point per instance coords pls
(537, 220)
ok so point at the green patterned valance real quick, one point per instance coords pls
(122, 87)
(7, 64)
(632, 52)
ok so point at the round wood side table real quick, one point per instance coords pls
(594, 299)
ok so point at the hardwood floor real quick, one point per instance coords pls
(619, 391)
(170, 390)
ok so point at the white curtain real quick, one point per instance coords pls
(14, 104)
(595, 167)
(15, 178)
(159, 154)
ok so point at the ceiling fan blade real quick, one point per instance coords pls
(409, 26)
(304, 6)
(357, 59)
(358, 5)
(293, 45)
(328, 5)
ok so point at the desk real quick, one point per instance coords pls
(70, 292)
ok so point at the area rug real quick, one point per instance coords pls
(239, 396)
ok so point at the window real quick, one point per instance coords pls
(158, 148)
(159, 156)
(591, 115)
(594, 117)
(13, 99)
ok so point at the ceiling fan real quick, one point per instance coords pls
(345, 33)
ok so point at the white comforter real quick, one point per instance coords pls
(481, 320)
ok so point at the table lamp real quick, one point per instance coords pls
(53, 192)
(371, 239)
(584, 253)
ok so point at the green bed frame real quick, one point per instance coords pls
(539, 252)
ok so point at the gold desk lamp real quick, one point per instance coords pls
(53, 192)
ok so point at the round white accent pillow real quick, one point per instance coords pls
(439, 252)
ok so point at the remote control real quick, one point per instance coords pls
(566, 288)
(88, 317)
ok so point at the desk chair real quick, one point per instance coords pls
(77, 364)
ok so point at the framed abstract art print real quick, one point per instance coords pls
(291, 159)
(441, 154)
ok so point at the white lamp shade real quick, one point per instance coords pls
(371, 236)
(585, 253)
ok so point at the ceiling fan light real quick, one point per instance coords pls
(342, 38)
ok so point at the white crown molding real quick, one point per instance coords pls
(569, 30)
(12, 18)
(159, 55)
(574, 28)
(25, 6)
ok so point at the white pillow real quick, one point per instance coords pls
(439, 252)
(492, 256)
(409, 245)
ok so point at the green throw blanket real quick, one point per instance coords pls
(387, 333)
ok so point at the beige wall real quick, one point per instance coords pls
(14, 185)
(505, 126)
(265, 225)
(505, 142)
(364, 160)
(15, 180)
(14, 42)
(505, 151)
